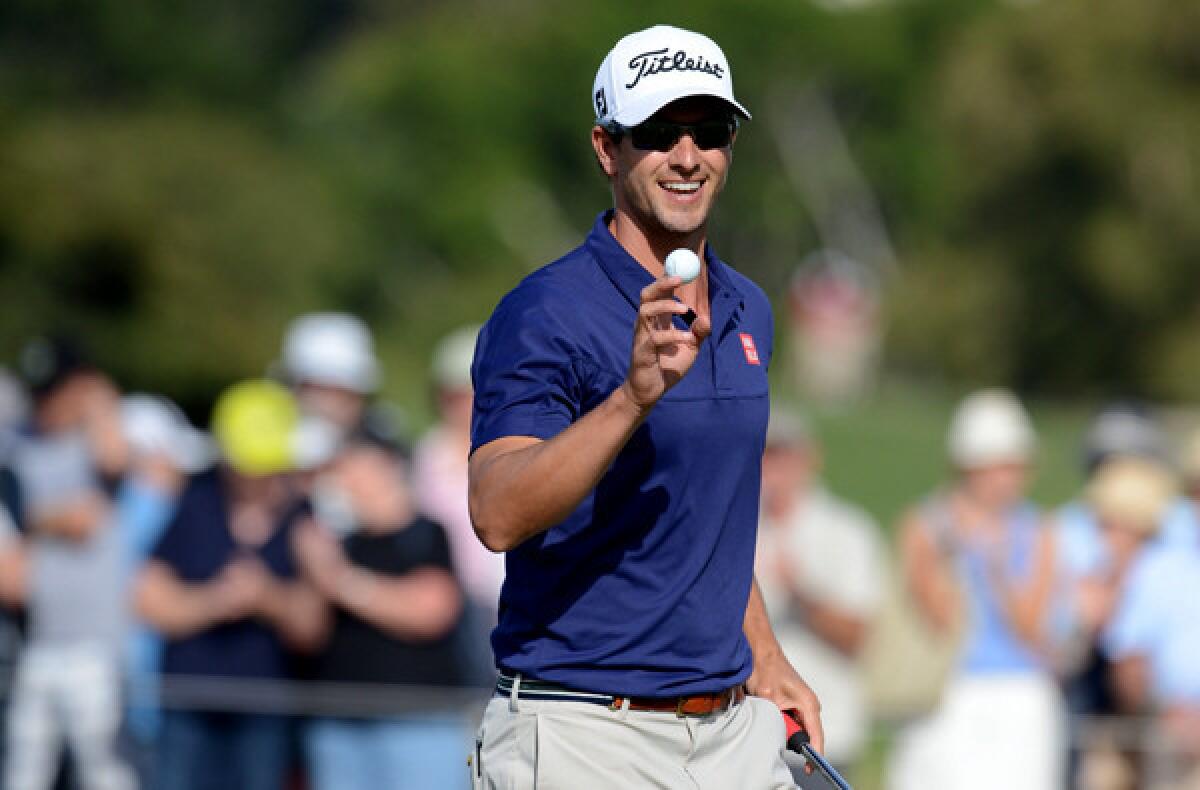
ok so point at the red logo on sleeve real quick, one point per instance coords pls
(749, 348)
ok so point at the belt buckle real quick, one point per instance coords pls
(683, 714)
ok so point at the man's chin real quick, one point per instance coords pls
(682, 223)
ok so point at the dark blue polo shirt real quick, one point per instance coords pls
(197, 545)
(642, 590)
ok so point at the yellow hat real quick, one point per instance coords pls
(254, 423)
(1132, 491)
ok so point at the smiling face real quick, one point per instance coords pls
(668, 195)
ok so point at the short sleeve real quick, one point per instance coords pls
(1136, 623)
(421, 545)
(143, 512)
(171, 546)
(862, 592)
(175, 545)
(525, 372)
(859, 565)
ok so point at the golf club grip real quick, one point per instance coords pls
(797, 738)
(797, 741)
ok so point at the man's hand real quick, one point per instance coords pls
(242, 588)
(662, 354)
(775, 679)
(78, 520)
(321, 558)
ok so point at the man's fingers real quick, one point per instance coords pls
(661, 288)
(811, 720)
(662, 338)
(661, 307)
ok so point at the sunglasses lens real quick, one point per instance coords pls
(662, 135)
(655, 135)
(711, 134)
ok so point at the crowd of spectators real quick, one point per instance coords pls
(165, 590)
(1057, 620)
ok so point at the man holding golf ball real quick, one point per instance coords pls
(621, 405)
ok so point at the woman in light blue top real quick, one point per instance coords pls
(979, 562)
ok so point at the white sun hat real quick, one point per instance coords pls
(1134, 492)
(452, 358)
(651, 68)
(334, 349)
(155, 426)
(990, 427)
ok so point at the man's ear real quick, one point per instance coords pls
(606, 151)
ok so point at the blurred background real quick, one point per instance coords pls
(938, 195)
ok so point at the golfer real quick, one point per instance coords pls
(616, 450)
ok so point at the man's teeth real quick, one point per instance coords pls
(682, 187)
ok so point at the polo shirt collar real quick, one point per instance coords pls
(630, 277)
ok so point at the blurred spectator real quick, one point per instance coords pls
(1121, 430)
(1087, 567)
(14, 407)
(1189, 468)
(164, 450)
(820, 568)
(834, 314)
(1128, 496)
(1153, 639)
(978, 551)
(394, 602)
(440, 483)
(67, 464)
(221, 587)
(329, 362)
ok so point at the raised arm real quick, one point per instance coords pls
(1025, 603)
(520, 486)
(928, 575)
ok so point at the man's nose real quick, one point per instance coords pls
(685, 156)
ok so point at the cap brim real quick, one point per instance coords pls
(648, 105)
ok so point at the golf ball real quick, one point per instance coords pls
(683, 263)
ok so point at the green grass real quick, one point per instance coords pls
(889, 450)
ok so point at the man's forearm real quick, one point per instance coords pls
(175, 608)
(520, 486)
(757, 626)
(845, 632)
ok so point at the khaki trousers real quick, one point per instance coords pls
(541, 745)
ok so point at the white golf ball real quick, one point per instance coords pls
(683, 263)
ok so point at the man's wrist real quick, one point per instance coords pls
(355, 588)
(624, 399)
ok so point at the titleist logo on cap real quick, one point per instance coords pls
(658, 61)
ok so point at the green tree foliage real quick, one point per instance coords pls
(178, 179)
(176, 244)
(1069, 246)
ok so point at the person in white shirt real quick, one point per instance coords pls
(819, 563)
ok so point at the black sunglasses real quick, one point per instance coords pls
(656, 135)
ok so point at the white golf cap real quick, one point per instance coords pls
(155, 426)
(315, 441)
(990, 427)
(651, 68)
(453, 356)
(334, 349)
